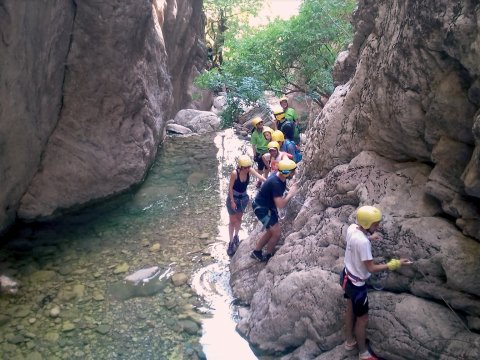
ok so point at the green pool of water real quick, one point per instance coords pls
(65, 307)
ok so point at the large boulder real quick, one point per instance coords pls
(200, 122)
(88, 87)
(400, 132)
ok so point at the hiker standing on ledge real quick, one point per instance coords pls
(358, 267)
(268, 199)
(238, 199)
(259, 145)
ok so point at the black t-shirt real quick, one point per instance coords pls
(272, 188)
(287, 128)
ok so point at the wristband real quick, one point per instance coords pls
(394, 264)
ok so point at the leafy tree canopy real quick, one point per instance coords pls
(225, 19)
(285, 56)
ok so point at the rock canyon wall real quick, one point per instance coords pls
(85, 90)
(402, 132)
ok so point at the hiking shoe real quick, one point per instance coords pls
(235, 244)
(257, 255)
(350, 347)
(230, 249)
(236, 241)
(367, 356)
(267, 257)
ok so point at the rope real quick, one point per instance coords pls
(417, 269)
(445, 301)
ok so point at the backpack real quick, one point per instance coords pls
(297, 156)
(291, 130)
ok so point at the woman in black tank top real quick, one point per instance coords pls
(238, 199)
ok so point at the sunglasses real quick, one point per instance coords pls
(286, 172)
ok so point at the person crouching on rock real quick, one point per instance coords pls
(237, 200)
(268, 199)
(358, 267)
(273, 157)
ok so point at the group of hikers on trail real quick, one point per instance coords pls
(276, 153)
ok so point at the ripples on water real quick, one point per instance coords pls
(175, 220)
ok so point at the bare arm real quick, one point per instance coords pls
(372, 267)
(266, 160)
(233, 177)
(256, 174)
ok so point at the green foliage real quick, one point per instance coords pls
(285, 56)
(225, 19)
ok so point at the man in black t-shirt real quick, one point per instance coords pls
(268, 199)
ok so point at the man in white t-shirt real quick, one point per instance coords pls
(358, 267)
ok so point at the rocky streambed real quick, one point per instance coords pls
(73, 302)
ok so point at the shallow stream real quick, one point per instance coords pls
(73, 302)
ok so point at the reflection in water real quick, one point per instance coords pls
(73, 301)
(220, 340)
(69, 304)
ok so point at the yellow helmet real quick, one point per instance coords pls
(367, 215)
(286, 165)
(244, 161)
(273, 145)
(278, 136)
(283, 98)
(256, 121)
(267, 129)
(278, 112)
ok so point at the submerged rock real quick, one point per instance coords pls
(8, 285)
(144, 275)
(145, 282)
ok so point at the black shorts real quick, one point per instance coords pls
(258, 159)
(268, 217)
(359, 297)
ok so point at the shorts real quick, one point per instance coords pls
(359, 297)
(240, 201)
(268, 217)
(258, 159)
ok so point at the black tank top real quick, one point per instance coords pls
(239, 186)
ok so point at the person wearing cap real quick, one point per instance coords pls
(290, 113)
(281, 123)
(358, 267)
(273, 157)
(259, 144)
(238, 199)
(267, 133)
(290, 122)
(269, 198)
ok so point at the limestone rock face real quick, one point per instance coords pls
(400, 132)
(85, 94)
(33, 56)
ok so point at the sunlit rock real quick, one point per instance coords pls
(88, 87)
(199, 122)
(399, 132)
